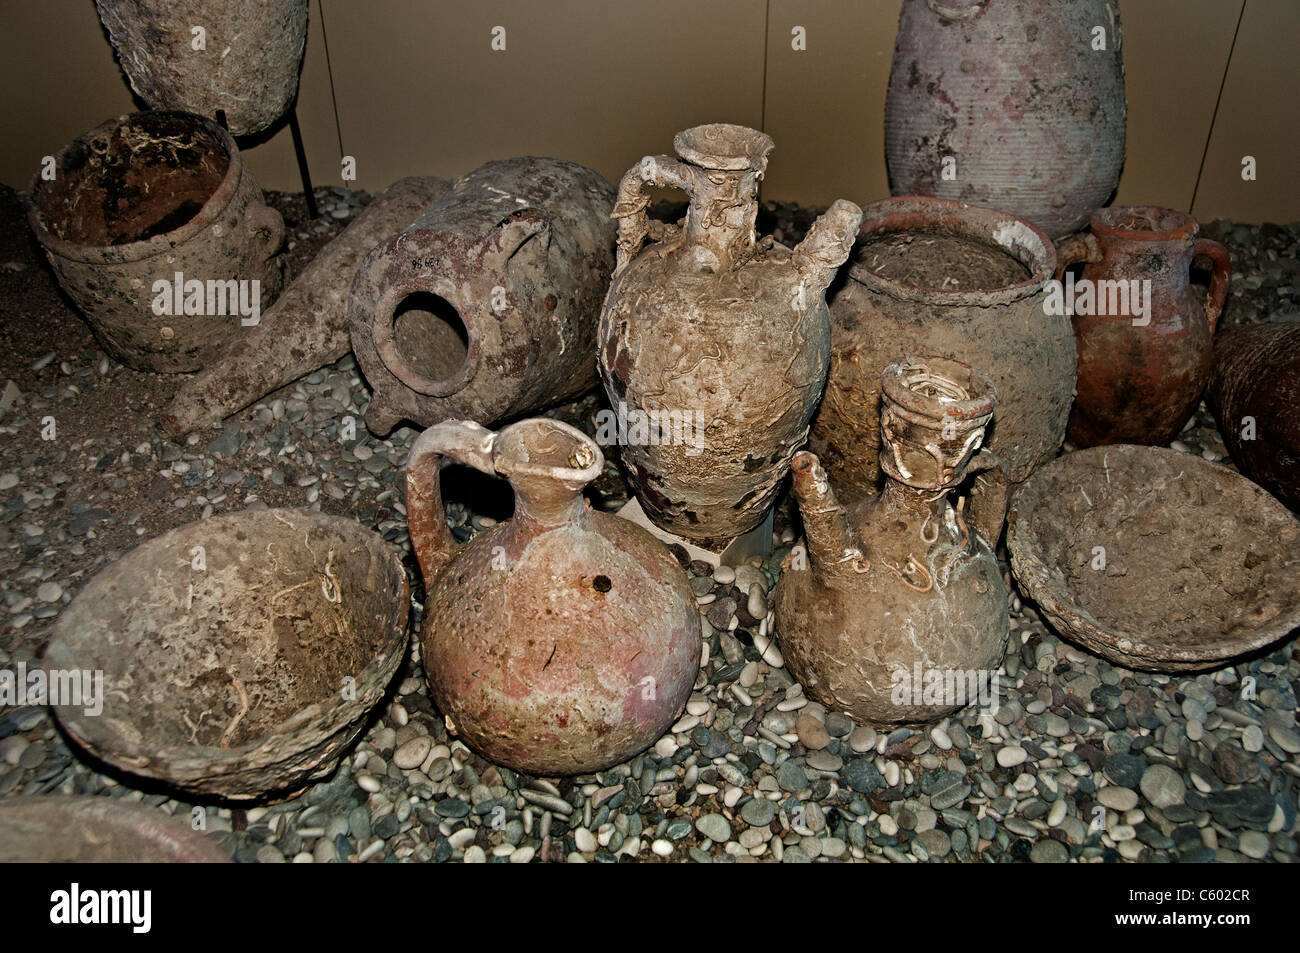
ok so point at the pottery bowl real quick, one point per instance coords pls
(240, 654)
(1156, 559)
(97, 830)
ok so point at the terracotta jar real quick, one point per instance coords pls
(896, 592)
(1254, 393)
(1144, 333)
(711, 322)
(486, 306)
(565, 640)
(143, 199)
(931, 276)
(1014, 105)
(247, 66)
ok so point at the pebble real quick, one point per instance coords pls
(49, 592)
(715, 827)
(661, 847)
(1252, 738)
(812, 733)
(1287, 739)
(412, 753)
(1117, 798)
(1011, 755)
(757, 812)
(1162, 786)
(1254, 845)
(862, 739)
(1049, 851)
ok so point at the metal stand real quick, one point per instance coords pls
(298, 149)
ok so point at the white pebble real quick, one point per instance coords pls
(664, 848)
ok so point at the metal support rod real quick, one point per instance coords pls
(298, 149)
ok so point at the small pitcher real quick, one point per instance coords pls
(1144, 334)
(565, 640)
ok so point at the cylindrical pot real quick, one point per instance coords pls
(159, 234)
(1143, 332)
(712, 325)
(1254, 393)
(896, 611)
(486, 306)
(1012, 105)
(565, 640)
(245, 61)
(930, 276)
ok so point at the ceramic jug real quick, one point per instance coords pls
(896, 595)
(560, 642)
(717, 327)
(1144, 333)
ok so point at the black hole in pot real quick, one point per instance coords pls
(602, 584)
(430, 335)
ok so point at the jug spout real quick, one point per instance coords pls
(833, 549)
(826, 246)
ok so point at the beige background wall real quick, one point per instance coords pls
(603, 82)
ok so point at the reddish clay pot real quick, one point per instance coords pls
(897, 588)
(565, 640)
(486, 306)
(712, 322)
(1010, 105)
(1141, 370)
(992, 319)
(138, 200)
(1254, 393)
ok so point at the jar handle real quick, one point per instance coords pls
(634, 226)
(1222, 264)
(264, 219)
(462, 441)
(988, 496)
(1074, 249)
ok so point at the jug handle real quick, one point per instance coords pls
(264, 219)
(988, 496)
(1218, 293)
(462, 441)
(1074, 249)
(633, 199)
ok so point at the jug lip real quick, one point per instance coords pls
(724, 146)
(1021, 239)
(1126, 222)
(981, 394)
(508, 463)
(213, 206)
